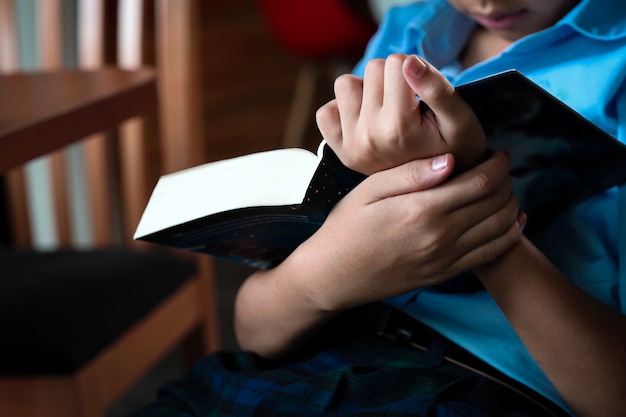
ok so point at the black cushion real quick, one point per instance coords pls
(58, 309)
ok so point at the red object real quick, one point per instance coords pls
(317, 28)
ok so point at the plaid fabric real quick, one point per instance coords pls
(360, 375)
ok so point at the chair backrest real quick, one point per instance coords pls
(93, 194)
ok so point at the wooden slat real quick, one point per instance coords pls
(182, 135)
(92, 48)
(50, 24)
(206, 338)
(134, 134)
(18, 209)
(33, 123)
(57, 167)
(8, 37)
(16, 179)
(91, 24)
(39, 397)
(180, 86)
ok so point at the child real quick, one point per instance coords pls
(552, 334)
(409, 226)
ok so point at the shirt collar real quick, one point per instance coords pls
(598, 19)
(439, 30)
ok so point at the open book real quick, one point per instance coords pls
(256, 209)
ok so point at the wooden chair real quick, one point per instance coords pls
(87, 312)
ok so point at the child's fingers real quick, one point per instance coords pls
(373, 87)
(432, 87)
(412, 176)
(496, 243)
(478, 188)
(329, 124)
(342, 112)
(398, 97)
(455, 119)
(349, 96)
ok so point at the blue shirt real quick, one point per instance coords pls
(582, 61)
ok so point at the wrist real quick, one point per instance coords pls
(313, 274)
(505, 271)
(274, 313)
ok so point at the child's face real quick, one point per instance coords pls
(513, 19)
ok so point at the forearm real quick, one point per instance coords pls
(579, 342)
(276, 311)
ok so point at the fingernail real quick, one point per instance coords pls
(439, 162)
(415, 65)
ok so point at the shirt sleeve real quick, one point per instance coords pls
(622, 249)
(621, 136)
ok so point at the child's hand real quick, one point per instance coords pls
(377, 122)
(404, 228)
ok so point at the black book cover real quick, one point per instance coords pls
(558, 158)
(262, 237)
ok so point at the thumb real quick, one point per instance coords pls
(417, 175)
(430, 85)
(456, 121)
